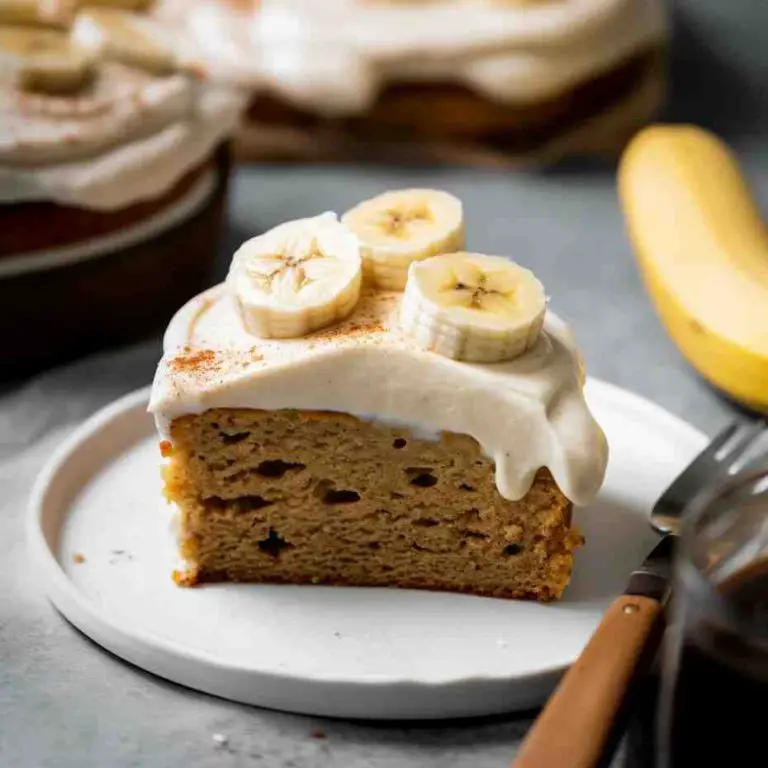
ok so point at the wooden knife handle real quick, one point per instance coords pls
(576, 724)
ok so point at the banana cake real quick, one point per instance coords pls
(469, 80)
(363, 402)
(114, 166)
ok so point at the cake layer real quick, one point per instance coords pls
(525, 414)
(67, 225)
(598, 116)
(311, 497)
(59, 307)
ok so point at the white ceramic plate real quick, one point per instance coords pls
(373, 653)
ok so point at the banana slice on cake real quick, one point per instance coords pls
(467, 306)
(44, 60)
(398, 228)
(114, 33)
(297, 278)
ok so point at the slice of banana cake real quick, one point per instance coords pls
(321, 426)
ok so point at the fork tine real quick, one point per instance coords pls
(716, 460)
(739, 449)
(720, 440)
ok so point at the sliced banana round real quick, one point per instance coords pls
(44, 60)
(45, 13)
(467, 306)
(297, 278)
(403, 226)
(120, 35)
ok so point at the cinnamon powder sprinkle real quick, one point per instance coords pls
(348, 331)
(199, 361)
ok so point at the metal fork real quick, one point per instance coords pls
(581, 723)
(729, 452)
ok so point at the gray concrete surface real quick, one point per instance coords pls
(64, 702)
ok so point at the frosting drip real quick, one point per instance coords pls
(335, 56)
(525, 414)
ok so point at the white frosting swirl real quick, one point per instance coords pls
(334, 56)
(128, 138)
(525, 414)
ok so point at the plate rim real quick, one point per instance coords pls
(112, 633)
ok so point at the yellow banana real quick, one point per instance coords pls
(702, 246)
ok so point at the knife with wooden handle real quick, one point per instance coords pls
(581, 721)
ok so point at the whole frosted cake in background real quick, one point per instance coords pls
(364, 403)
(466, 80)
(113, 166)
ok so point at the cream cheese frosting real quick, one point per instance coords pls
(334, 56)
(526, 413)
(93, 149)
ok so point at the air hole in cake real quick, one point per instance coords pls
(374, 545)
(395, 495)
(277, 468)
(242, 504)
(475, 535)
(512, 549)
(421, 477)
(426, 522)
(399, 443)
(273, 545)
(465, 487)
(332, 496)
(232, 439)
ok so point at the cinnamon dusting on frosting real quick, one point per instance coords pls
(197, 361)
(336, 333)
(366, 366)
